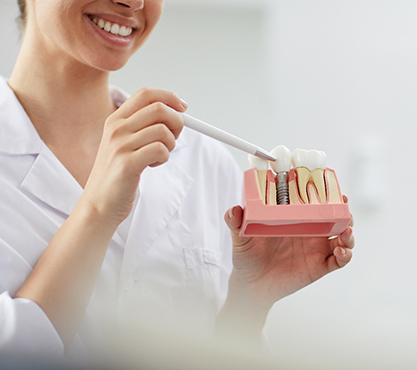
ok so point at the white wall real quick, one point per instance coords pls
(332, 74)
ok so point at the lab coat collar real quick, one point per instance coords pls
(17, 134)
(162, 188)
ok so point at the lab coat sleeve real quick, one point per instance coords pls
(234, 197)
(231, 177)
(24, 327)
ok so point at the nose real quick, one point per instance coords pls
(131, 4)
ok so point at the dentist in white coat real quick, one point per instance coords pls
(109, 207)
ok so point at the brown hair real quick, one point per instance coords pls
(22, 8)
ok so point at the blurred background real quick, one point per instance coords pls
(335, 75)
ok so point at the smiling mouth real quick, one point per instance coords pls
(111, 27)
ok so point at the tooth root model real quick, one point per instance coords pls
(310, 166)
(294, 194)
(313, 196)
(282, 167)
(271, 189)
(262, 168)
(303, 178)
(334, 195)
(318, 163)
(318, 179)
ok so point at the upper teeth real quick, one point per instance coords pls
(311, 159)
(114, 28)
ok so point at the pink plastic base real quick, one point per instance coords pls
(307, 220)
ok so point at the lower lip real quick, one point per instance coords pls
(113, 40)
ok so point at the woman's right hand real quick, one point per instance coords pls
(141, 133)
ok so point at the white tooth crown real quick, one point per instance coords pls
(318, 159)
(259, 164)
(114, 28)
(283, 156)
(311, 159)
(300, 158)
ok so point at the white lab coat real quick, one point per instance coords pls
(170, 259)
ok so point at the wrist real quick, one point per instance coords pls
(243, 313)
(95, 217)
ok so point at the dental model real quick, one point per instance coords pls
(282, 166)
(301, 201)
(310, 165)
(261, 167)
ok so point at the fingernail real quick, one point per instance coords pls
(231, 213)
(184, 103)
(343, 252)
(234, 211)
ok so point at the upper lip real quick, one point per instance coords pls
(113, 18)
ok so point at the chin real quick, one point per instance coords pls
(107, 64)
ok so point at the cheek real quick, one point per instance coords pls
(57, 22)
(152, 14)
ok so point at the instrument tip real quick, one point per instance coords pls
(265, 156)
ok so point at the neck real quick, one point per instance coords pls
(79, 94)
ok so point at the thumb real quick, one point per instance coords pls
(234, 219)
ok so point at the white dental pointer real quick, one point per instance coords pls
(225, 137)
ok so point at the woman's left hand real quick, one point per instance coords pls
(269, 269)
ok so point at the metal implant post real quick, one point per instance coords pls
(283, 196)
(282, 167)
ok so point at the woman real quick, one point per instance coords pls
(109, 207)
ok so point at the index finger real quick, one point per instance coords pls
(145, 97)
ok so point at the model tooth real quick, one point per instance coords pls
(317, 160)
(334, 194)
(303, 178)
(294, 194)
(271, 188)
(262, 168)
(283, 156)
(258, 163)
(313, 197)
(300, 158)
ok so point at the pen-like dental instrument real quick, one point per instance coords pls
(225, 137)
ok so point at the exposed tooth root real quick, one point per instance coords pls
(303, 177)
(312, 194)
(271, 189)
(318, 180)
(334, 194)
(262, 183)
(295, 198)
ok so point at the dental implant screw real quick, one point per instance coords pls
(283, 196)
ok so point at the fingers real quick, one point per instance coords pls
(153, 155)
(153, 114)
(346, 201)
(340, 258)
(145, 97)
(234, 219)
(345, 240)
(154, 133)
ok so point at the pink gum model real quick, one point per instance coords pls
(303, 220)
